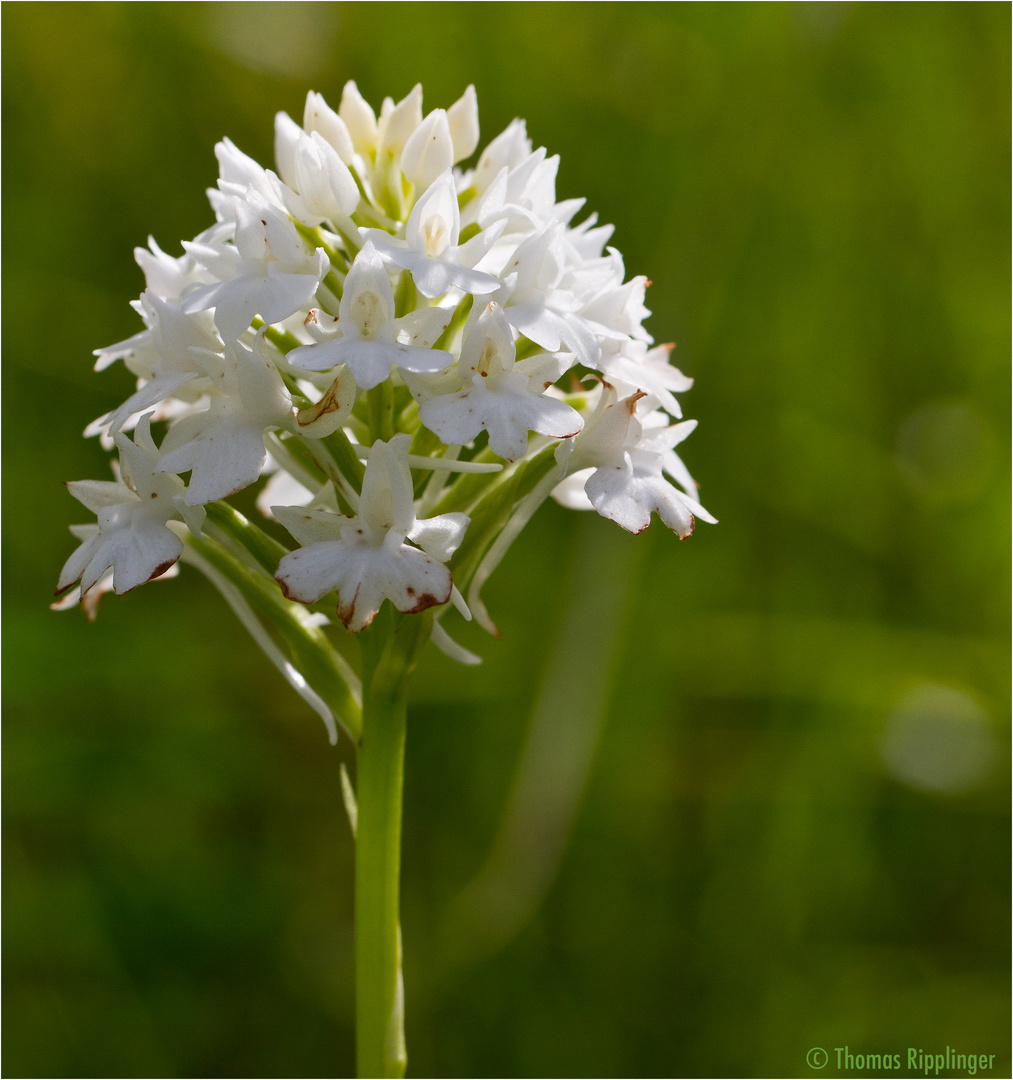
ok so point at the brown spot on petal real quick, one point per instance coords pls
(89, 604)
(161, 569)
(329, 403)
(346, 611)
(631, 401)
(284, 588)
(426, 600)
(668, 346)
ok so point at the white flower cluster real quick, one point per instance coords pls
(417, 354)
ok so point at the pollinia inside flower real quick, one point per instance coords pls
(408, 354)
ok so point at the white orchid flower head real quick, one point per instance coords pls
(373, 301)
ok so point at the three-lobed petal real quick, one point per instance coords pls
(365, 558)
(132, 538)
(366, 335)
(504, 397)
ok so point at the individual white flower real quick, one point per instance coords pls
(160, 357)
(237, 173)
(429, 150)
(623, 471)
(430, 251)
(315, 183)
(633, 364)
(396, 126)
(161, 352)
(267, 272)
(441, 140)
(379, 144)
(320, 117)
(224, 446)
(506, 151)
(366, 558)
(323, 188)
(462, 117)
(525, 196)
(359, 119)
(89, 600)
(535, 303)
(164, 275)
(502, 395)
(163, 347)
(620, 308)
(132, 538)
(370, 340)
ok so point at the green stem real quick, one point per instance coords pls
(388, 655)
(381, 411)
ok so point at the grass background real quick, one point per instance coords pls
(706, 805)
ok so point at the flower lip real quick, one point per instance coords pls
(367, 558)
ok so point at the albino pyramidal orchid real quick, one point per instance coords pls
(412, 356)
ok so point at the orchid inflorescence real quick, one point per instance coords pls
(414, 355)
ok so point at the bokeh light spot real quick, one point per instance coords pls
(939, 739)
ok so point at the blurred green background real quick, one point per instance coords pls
(705, 805)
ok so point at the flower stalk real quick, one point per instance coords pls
(389, 653)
